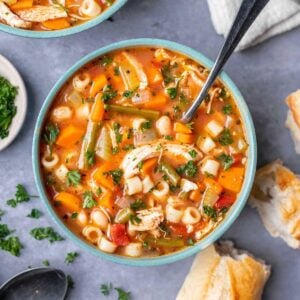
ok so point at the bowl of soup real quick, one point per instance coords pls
(122, 175)
(47, 18)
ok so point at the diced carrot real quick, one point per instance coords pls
(181, 128)
(157, 102)
(232, 179)
(56, 24)
(149, 165)
(102, 179)
(107, 200)
(21, 4)
(97, 109)
(68, 200)
(69, 136)
(98, 84)
(195, 195)
(184, 138)
(216, 187)
(154, 75)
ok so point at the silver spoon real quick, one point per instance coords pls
(246, 15)
(36, 284)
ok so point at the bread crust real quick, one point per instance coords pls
(221, 272)
(276, 195)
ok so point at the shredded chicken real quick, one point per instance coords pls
(133, 158)
(149, 219)
(41, 13)
(12, 19)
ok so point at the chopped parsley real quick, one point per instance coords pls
(99, 191)
(70, 257)
(1, 213)
(106, 60)
(128, 147)
(172, 92)
(41, 233)
(4, 231)
(21, 195)
(108, 93)
(90, 157)
(223, 93)
(168, 137)
(140, 165)
(135, 219)
(146, 125)
(226, 138)
(8, 108)
(115, 150)
(12, 245)
(88, 200)
(35, 214)
(227, 109)
(190, 242)
(74, 215)
(166, 73)
(70, 282)
(46, 262)
(116, 175)
(106, 289)
(138, 204)
(50, 135)
(116, 71)
(190, 169)
(128, 94)
(116, 129)
(123, 295)
(193, 153)
(210, 212)
(226, 160)
(73, 178)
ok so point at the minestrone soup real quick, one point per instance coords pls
(121, 169)
(48, 15)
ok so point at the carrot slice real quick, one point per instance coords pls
(149, 165)
(213, 184)
(157, 102)
(107, 201)
(195, 195)
(21, 4)
(68, 200)
(69, 136)
(56, 24)
(99, 83)
(154, 75)
(232, 179)
(181, 128)
(184, 138)
(102, 179)
(97, 109)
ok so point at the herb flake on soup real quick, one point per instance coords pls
(120, 168)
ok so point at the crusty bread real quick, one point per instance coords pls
(276, 195)
(293, 118)
(222, 272)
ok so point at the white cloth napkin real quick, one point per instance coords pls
(278, 16)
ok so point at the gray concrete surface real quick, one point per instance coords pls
(265, 75)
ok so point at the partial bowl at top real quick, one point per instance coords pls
(119, 172)
(29, 18)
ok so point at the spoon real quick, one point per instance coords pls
(36, 284)
(246, 15)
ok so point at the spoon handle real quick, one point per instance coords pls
(246, 15)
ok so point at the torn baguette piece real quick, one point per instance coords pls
(41, 13)
(11, 18)
(293, 118)
(222, 272)
(276, 195)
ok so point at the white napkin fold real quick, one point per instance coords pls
(278, 16)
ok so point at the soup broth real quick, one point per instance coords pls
(121, 169)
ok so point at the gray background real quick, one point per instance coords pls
(265, 74)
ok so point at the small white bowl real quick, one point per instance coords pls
(8, 71)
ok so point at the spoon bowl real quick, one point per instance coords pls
(35, 284)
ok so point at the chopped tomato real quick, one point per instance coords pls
(179, 229)
(237, 158)
(225, 201)
(119, 235)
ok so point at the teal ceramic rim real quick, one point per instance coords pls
(249, 174)
(68, 31)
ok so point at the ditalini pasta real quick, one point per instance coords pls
(120, 168)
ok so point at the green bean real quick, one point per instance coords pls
(88, 144)
(123, 215)
(165, 242)
(170, 172)
(146, 113)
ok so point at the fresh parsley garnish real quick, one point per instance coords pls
(146, 126)
(8, 108)
(2, 213)
(41, 233)
(226, 138)
(106, 289)
(90, 157)
(50, 135)
(190, 242)
(116, 129)
(4, 231)
(70, 257)
(128, 94)
(21, 195)
(138, 204)
(166, 73)
(99, 191)
(135, 219)
(226, 160)
(223, 93)
(108, 93)
(73, 178)
(70, 281)
(88, 200)
(74, 215)
(190, 169)
(140, 165)
(116, 175)
(11, 244)
(227, 109)
(210, 212)
(193, 153)
(123, 295)
(168, 137)
(128, 147)
(116, 71)
(46, 262)
(35, 214)
(172, 92)
(106, 60)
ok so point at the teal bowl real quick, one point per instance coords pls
(68, 31)
(232, 214)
